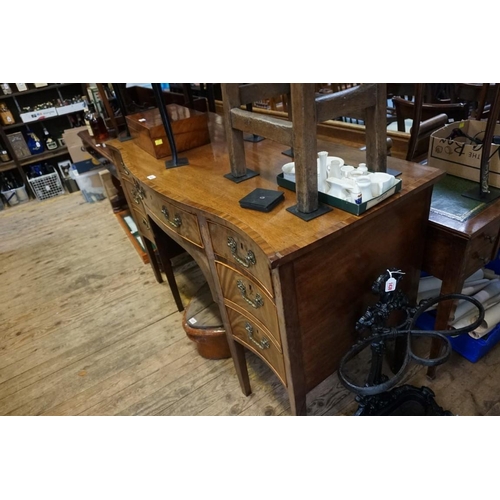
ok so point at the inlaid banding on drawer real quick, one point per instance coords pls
(173, 218)
(249, 296)
(256, 338)
(242, 252)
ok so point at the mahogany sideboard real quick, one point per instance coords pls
(288, 290)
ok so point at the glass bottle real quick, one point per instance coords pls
(50, 144)
(86, 118)
(97, 125)
(34, 144)
(6, 89)
(5, 115)
(4, 155)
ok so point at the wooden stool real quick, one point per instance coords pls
(203, 325)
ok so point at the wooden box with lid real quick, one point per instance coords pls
(190, 129)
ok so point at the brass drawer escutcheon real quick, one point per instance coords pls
(258, 302)
(248, 261)
(177, 222)
(263, 344)
(125, 169)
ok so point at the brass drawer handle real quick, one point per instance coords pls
(177, 222)
(248, 261)
(139, 190)
(125, 169)
(136, 196)
(145, 222)
(489, 238)
(263, 344)
(258, 302)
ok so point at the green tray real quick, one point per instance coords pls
(352, 208)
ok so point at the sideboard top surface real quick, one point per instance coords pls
(280, 234)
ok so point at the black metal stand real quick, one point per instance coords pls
(321, 210)
(248, 175)
(123, 110)
(375, 396)
(175, 161)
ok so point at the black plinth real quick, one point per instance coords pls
(181, 162)
(252, 138)
(402, 401)
(475, 194)
(248, 175)
(321, 210)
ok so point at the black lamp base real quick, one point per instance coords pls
(475, 194)
(248, 175)
(181, 162)
(321, 210)
(252, 138)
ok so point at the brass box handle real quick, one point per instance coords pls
(263, 344)
(177, 222)
(258, 302)
(247, 261)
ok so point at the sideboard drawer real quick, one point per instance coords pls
(483, 247)
(256, 338)
(247, 294)
(240, 250)
(173, 218)
(143, 225)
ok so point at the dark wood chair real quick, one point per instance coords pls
(424, 122)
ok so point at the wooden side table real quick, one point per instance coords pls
(454, 250)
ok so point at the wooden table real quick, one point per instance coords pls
(288, 290)
(454, 250)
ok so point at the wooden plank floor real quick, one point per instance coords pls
(85, 329)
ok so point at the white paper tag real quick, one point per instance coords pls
(151, 177)
(192, 321)
(390, 285)
(141, 120)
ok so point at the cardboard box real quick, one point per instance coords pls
(70, 108)
(75, 146)
(33, 116)
(190, 129)
(459, 156)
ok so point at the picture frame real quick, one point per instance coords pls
(64, 167)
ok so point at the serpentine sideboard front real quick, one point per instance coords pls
(288, 290)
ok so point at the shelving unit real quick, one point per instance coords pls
(15, 103)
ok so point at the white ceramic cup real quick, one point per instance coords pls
(365, 186)
(346, 170)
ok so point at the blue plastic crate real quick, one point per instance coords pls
(464, 344)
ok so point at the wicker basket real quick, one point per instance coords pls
(46, 186)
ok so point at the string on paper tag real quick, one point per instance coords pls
(391, 283)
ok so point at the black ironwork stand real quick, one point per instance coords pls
(375, 397)
(175, 161)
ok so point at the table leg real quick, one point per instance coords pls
(152, 259)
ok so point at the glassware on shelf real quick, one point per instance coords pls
(6, 89)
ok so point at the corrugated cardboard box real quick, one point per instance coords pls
(459, 156)
(75, 146)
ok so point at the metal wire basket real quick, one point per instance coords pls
(47, 186)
